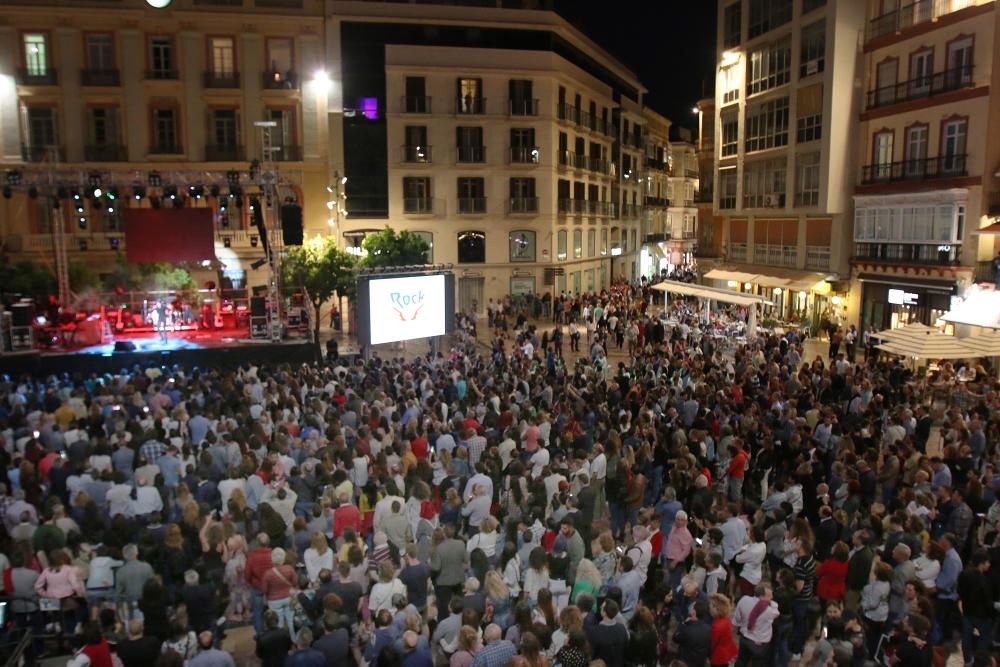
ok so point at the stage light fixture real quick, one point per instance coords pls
(257, 264)
(214, 190)
(7, 192)
(13, 177)
(79, 207)
(253, 240)
(239, 202)
(170, 191)
(233, 177)
(75, 195)
(82, 222)
(83, 244)
(113, 243)
(111, 210)
(198, 191)
(138, 192)
(227, 242)
(153, 179)
(112, 193)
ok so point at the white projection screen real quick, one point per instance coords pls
(407, 308)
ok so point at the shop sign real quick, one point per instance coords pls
(902, 297)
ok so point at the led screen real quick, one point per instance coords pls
(406, 308)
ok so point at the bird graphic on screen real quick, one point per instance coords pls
(403, 317)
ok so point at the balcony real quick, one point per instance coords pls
(222, 79)
(945, 166)
(775, 255)
(37, 77)
(922, 87)
(934, 254)
(278, 4)
(522, 206)
(763, 200)
(472, 205)
(605, 127)
(586, 206)
(162, 75)
(416, 154)
(42, 153)
(632, 141)
(223, 153)
(737, 251)
(915, 13)
(703, 196)
(569, 113)
(470, 154)
(105, 153)
(523, 155)
(631, 210)
(279, 81)
(993, 203)
(657, 238)
(415, 104)
(657, 202)
(574, 160)
(658, 165)
(470, 106)
(817, 257)
(633, 176)
(522, 107)
(288, 153)
(100, 77)
(600, 166)
(418, 205)
(165, 149)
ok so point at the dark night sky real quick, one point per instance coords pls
(669, 44)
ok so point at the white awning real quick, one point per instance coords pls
(736, 276)
(703, 292)
(791, 279)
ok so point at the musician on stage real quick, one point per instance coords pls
(160, 314)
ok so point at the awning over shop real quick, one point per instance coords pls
(769, 276)
(701, 291)
(941, 286)
(988, 229)
(727, 274)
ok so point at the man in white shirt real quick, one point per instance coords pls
(147, 499)
(119, 497)
(506, 449)
(598, 473)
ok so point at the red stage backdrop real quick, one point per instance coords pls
(169, 234)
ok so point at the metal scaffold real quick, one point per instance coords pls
(268, 182)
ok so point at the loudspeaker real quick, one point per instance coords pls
(124, 346)
(258, 306)
(291, 224)
(22, 314)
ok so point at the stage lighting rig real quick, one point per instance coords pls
(138, 192)
(13, 176)
(153, 179)
(170, 191)
(233, 177)
(62, 192)
(214, 190)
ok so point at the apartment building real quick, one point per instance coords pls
(154, 104)
(785, 115)
(655, 177)
(682, 212)
(708, 248)
(927, 167)
(503, 136)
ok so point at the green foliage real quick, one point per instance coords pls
(387, 248)
(81, 277)
(321, 267)
(29, 278)
(147, 277)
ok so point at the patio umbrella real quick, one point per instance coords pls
(984, 345)
(914, 329)
(929, 346)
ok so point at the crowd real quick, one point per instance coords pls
(518, 506)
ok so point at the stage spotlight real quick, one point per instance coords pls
(83, 244)
(170, 191)
(153, 179)
(7, 192)
(227, 242)
(113, 242)
(75, 195)
(257, 264)
(13, 177)
(33, 192)
(233, 177)
(253, 240)
(239, 202)
(197, 191)
(94, 179)
(235, 191)
(79, 206)
(138, 192)
(112, 193)
(82, 222)
(214, 190)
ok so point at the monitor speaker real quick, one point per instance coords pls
(291, 224)
(22, 314)
(124, 346)
(258, 306)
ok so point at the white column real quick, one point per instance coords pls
(10, 124)
(192, 50)
(133, 58)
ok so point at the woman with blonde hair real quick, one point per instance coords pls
(235, 579)
(468, 646)
(723, 647)
(606, 558)
(588, 580)
(498, 595)
(486, 539)
(319, 556)
(569, 618)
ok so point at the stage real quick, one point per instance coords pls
(222, 348)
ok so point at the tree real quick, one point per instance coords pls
(387, 248)
(321, 268)
(28, 278)
(148, 276)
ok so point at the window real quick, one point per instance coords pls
(561, 244)
(915, 151)
(813, 49)
(280, 58)
(522, 246)
(767, 15)
(520, 100)
(41, 127)
(471, 247)
(416, 149)
(103, 126)
(522, 145)
(283, 134)
(522, 196)
(921, 72)
(224, 128)
(953, 136)
(764, 184)
(417, 194)
(469, 144)
(604, 242)
(727, 187)
(732, 26)
(428, 238)
(36, 54)
(470, 96)
(882, 154)
(770, 66)
(471, 195)
(416, 100)
(959, 63)
(577, 243)
(886, 74)
(161, 58)
(910, 224)
(100, 52)
(730, 133)
(730, 84)
(165, 131)
(767, 125)
(809, 125)
(591, 243)
(807, 180)
(223, 56)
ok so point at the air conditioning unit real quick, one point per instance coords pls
(772, 201)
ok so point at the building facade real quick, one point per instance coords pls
(504, 137)
(928, 161)
(785, 110)
(682, 214)
(157, 106)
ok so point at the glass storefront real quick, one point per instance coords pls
(889, 306)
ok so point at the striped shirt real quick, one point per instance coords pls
(805, 571)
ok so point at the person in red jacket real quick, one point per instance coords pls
(95, 647)
(258, 563)
(723, 649)
(736, 471)
(832, 574)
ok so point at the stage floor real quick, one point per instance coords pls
(181, 340)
